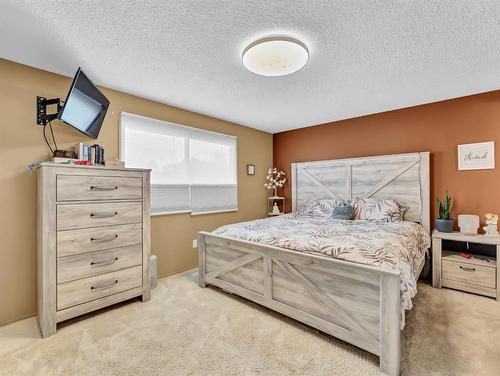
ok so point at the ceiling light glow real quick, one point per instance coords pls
(276, 56)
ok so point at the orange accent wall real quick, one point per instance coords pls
(436, 127)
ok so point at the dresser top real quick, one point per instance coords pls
(93, 167)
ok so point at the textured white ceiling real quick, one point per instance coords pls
(365, 56)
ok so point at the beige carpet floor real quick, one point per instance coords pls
(186, 330)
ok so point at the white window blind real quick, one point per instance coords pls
(192, 170)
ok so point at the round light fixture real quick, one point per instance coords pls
(276, 56)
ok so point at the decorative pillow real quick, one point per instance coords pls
(375, 209)
(321, 207)
(343, 211)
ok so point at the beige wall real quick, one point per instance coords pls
(21, 143)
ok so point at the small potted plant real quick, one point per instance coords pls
(444, 223)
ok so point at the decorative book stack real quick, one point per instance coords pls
(93, 153)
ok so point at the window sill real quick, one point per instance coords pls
(215, 212)
(157, 214)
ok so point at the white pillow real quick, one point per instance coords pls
(377, 209)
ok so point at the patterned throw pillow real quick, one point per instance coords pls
(376, 209)
(343, 211)
(320, 207)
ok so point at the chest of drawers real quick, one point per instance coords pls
(93, 240)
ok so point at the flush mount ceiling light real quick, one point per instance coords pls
(276, 56)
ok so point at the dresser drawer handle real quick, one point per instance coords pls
(104, 238)
(105, 285)
(104, 262)
(467, 269)
(103, 188)
(103, 215)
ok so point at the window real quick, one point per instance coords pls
(192, 170)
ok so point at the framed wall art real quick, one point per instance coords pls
(250, 169)
(478, 156)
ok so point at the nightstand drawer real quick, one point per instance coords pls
(84, 290)
(82, 188)
(75, 216)
(469, 273)
(74, 267)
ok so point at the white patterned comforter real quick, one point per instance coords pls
(398, 245)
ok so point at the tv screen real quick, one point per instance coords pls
(85, 106)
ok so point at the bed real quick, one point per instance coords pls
(281, 264)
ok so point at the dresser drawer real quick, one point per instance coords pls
(70, 294)
(468, 273)
(80, 187)
(75, 242)
(74, 216)
(70, 268)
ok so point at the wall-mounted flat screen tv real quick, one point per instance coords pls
(85, 106)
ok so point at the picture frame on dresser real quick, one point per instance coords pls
(93, 239)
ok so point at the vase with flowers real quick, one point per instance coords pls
(275, 179)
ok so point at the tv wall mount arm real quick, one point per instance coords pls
(42, 118)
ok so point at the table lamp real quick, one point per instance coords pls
(468, 223)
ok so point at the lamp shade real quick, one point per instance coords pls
(468, 223)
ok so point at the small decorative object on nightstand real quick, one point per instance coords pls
(453, 266)
(275, 179)
(491, 225)
(276, 205)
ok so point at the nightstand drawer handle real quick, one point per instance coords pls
(103, 215)
(104, 262)
(105, 285)
(467, 269)
(104, 238)
(103, 188)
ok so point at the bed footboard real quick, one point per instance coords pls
(353, 302)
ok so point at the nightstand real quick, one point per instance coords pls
(478, 275)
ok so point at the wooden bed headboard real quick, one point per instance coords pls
(402, 177)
